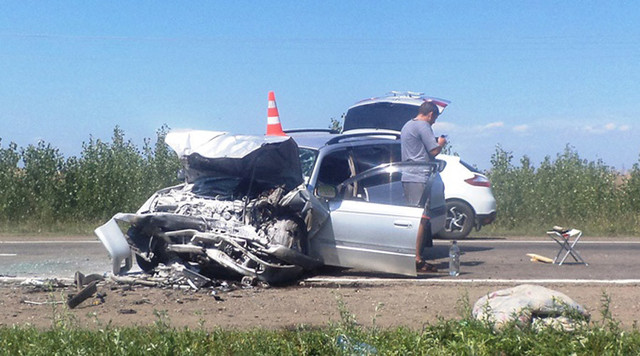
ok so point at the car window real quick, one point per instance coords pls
(370, 156)
(470, 167)
(335, 168)
(307, 161)
(383, 186)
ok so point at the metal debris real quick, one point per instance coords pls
(83, 295)
(127, 311)
(81, 280)
(42, 303)
(43, 283)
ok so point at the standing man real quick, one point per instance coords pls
(419, 144)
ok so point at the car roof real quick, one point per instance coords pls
(317, 139)
(448, 158)
(311, 138)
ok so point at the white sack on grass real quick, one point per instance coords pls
(529, 304)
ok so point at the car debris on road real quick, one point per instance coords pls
(95, 288)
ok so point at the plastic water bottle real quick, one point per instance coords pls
(454, 259)
(355, 348)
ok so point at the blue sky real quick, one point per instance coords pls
(530, 76)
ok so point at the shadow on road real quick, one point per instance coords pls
(474, 238)
(442, 251)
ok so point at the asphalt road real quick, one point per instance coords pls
(610, 261)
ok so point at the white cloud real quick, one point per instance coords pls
(521, 128)
(606, 128)
(591, 129)
(445, 126)
(493, 125)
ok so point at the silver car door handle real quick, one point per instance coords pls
(402, 223)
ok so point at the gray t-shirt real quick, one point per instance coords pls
(417, 139)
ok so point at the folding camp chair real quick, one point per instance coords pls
(567, 239)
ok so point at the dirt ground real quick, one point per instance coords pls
(392, 304)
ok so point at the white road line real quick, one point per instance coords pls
(50, 242)
(22, 279)
(7, 254)
(471, 281)
(538, 242)
(414, 281)
(441, 242)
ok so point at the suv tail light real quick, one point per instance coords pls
(479, 181)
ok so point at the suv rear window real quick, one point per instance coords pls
(391, 116)
(470, 167)
(370, 156)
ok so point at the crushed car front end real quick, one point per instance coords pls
(242, 211)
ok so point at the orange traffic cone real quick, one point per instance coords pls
(274, 128)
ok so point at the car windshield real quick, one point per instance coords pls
(382, 115)
(307, 161)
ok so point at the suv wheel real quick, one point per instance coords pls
(459, 221)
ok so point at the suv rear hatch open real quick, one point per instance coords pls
(390, 112)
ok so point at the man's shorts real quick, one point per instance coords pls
(414, 195)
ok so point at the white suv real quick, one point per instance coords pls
(468, 194)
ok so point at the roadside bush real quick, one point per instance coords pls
(566, 191)
(111, 177)
(10, 194)
(41, 183)
(631, 188)
(161, 163)
(43, 191)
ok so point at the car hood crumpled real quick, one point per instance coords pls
(268, 159)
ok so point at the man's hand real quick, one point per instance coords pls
(442, 141)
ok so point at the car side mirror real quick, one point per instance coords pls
(441, 164)
(326, 191)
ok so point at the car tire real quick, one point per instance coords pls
(141, 242)
(459, 220)
(147, 266)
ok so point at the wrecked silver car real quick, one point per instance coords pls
(242, 210)
(247, 208)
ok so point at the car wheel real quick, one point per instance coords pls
(147, 266)
(142, 243)
(459, 221)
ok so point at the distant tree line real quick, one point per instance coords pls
(566, 191)
(40, 188)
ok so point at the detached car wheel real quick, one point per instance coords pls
(459, 221)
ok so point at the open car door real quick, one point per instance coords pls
(372, 227)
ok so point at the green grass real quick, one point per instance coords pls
(459, 337)
(465, 336)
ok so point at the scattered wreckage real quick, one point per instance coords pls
(242, 211)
